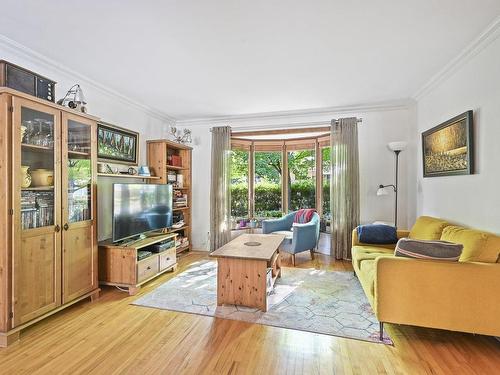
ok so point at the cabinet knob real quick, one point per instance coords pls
(66, 226)
(57, 228)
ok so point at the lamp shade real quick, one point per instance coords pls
(79, 97)
(382, 191)
(397, 146)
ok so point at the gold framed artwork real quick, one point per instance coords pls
(447, 149)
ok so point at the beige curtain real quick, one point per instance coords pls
(220, 193)
(344, 187)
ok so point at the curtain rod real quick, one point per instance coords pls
(290, 126)
(358, 120)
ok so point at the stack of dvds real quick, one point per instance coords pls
(37, 209)
(180, 201)
(45, 205)
(28, 210)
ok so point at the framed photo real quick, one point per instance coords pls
(447, 149)
(117, 145)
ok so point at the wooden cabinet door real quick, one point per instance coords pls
(79, 239)
(36, 197)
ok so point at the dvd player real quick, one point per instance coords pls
(159, 247)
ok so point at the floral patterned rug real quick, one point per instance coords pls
(326, 302)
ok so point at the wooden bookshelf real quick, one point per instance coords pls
(160, 162)
(175, 167)
(181, 209)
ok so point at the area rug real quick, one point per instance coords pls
(325, 302)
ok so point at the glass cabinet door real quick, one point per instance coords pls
(38, 168)
(36, 255)
(79, 159)
(79, 171)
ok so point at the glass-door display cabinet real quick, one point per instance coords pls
(36, 192)
(79, 155)
(48, 239)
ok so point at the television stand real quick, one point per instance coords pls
(130, 241)
(118, 264)
(140, 237)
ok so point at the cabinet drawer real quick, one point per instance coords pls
(147, 268)
(167, 259)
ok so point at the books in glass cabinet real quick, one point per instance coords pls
(37, 209)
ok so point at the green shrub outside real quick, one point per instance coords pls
(268, 198)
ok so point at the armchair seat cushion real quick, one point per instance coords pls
(287, 233)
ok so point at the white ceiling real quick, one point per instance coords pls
(194, 59)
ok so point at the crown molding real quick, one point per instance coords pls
(490, 34)
(269, 116)
(38, 58)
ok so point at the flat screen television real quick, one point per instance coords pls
(140, 208)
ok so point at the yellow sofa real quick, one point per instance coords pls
(459, 296)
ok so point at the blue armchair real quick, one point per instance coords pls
(304, 236)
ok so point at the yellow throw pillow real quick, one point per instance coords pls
(478, 246)
(427, 228)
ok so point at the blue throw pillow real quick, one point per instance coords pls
(377, 234)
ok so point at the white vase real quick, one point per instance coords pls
(25, 176)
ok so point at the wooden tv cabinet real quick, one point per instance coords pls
(118, 264)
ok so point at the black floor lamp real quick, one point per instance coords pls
(395, 147)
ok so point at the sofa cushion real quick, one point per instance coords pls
(377, 234)
(362, 253)
(478, 246)
(372, 249)
(420, 249)
(367, 278)
(304, 215)
(427, 228)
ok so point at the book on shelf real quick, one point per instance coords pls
(180, 200)
(178, 224)
(181, 242)
(37, 209)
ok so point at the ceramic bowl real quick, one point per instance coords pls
(42, 177)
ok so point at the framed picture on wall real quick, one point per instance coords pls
(447, 149)
(117, 145)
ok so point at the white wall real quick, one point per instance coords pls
(472, 200)
(108, 107)
(376, 161)
(381, 124)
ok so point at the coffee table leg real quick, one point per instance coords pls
(220, 282)
(278, 264)
(263, 286)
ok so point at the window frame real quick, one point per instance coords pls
(315, 143)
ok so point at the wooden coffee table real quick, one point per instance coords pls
(242, 269)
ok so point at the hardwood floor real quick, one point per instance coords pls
(110, 336)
